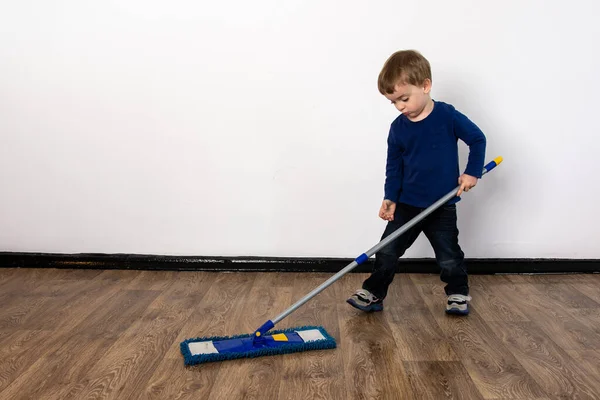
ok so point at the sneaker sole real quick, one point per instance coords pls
(370, 308)
(456, 311)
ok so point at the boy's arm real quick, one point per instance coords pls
(393, 171)
(470, 133)
(473, 137)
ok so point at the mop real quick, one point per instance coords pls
(264, 342)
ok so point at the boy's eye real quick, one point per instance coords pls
(404, 99)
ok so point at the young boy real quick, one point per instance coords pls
(422, 166)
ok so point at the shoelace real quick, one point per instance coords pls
(366, 295)
(459, 297)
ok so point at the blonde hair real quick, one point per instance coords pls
(403, 67)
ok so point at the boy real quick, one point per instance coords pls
(422, 166)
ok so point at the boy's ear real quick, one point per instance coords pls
(427, 86)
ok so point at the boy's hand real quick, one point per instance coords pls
(466, 183)
(387, 210)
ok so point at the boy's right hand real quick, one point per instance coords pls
(387, 210)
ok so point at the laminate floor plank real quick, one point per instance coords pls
(418, 336)
(259, 378)
(491, 303)
(57, 369)
(554, 313)
(171, 380)
(18, 353)
(589, 288)
(322, 368)
(215, 300)
(549, 364)
(371, 360)
(438, 380)
(493, 369)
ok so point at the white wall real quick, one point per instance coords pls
(240, 128)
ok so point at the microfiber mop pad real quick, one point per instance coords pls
(292, 340)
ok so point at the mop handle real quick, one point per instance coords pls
(365, 256)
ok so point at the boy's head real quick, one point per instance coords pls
(405, 80)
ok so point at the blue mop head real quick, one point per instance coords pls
(291, 340)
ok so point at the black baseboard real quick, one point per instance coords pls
(272, 264)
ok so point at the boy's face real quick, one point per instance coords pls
(410, 100)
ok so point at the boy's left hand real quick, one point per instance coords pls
(466, 183)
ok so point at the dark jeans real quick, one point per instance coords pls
(441, 231)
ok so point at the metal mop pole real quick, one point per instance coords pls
(365, 256)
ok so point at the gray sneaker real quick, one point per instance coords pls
(457, 304)
(365, 301)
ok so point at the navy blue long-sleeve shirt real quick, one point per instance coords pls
(422, 158)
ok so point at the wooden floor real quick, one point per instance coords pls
(79, 334)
